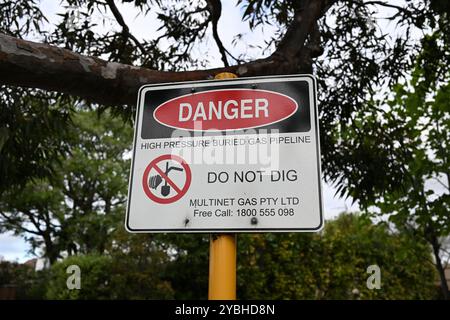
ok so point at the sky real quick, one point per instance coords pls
(14, 248)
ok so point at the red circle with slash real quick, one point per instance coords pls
(180, 191)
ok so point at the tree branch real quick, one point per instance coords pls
(294, 41)
(33, 220)
(215, 11)
(115, 11)
(18, 226)
(28, 64)
(383, 4)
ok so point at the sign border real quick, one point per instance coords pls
(174, 85)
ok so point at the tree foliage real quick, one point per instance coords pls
(76, 209)
(33, 128)
(384, 137)
(330, 265)
(417, 126)
(333, 264)
(343, 43)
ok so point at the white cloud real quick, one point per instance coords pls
(13, 248)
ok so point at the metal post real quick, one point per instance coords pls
(222, 267)
(222, 255)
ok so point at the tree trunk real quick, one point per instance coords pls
(440, 268)
(51, 253)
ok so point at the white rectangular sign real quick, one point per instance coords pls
(236, 155)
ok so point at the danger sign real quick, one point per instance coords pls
(236, 155)
(224, 110)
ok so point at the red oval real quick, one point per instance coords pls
(225, 109)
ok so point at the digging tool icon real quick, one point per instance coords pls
(156, 180)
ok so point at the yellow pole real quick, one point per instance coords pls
(222, 255)
(222, 267)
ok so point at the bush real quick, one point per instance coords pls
(333, 264)
(95, 277)
(27, 283)
(107, 277)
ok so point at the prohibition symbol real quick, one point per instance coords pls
(162, 188)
